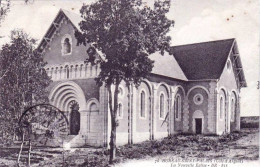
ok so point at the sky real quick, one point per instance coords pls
(195, 21)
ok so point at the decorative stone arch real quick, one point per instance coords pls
(66, 103)
(67, 90)
(198, 114)
(149, 85)
(223, 109)
(67, 96)
(235, 92)
(224, 89)
(235, 98)
(123, 91)
(166, 87)
(92, 101)
(181, 88)
(175, 90)
(195, 87)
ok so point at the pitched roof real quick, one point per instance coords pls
(190, 62)
(203, 60)
(166, 65)
(172, 69)
(72, 17)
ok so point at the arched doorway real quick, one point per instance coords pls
(74, 118)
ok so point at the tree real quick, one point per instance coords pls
(126, 32)
(4, 8)
(24, 80)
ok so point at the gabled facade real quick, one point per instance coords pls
(195, 89)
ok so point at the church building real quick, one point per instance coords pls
(195, 89)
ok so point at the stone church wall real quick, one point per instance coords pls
(53, 54)
(178, 122)
(201, 106)
(230, 87)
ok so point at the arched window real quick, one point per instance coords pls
(142, 104)
(222, 107)
(161, 106)
(177, 106)
(233, 109)
(67, 71)
(120, 111)
(66, 45)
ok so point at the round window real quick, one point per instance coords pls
(198, 99)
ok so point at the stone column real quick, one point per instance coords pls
(150, 117)
(217, 108)
(51, 73)
(186, 115)
(154, 102)
(65, 73)
(55, 73)
(228, 114)
(71, 71)
(168, 119)
(212, 110)
(129, 115)
(83, 122)
(172, 114)
(60, 73)
(85, 70)
(88, 70)
(132, 102)
(76, 71)
(81, 71)
(237, 119)
(134, 97)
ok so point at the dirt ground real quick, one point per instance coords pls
(242, 152)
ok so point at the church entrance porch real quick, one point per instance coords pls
(198, 125)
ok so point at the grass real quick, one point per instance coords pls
(182, 145)
(173, 144)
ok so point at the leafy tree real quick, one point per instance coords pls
(23, 81)
(126, 32)
(4, 8)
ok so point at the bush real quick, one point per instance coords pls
(249, 125)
